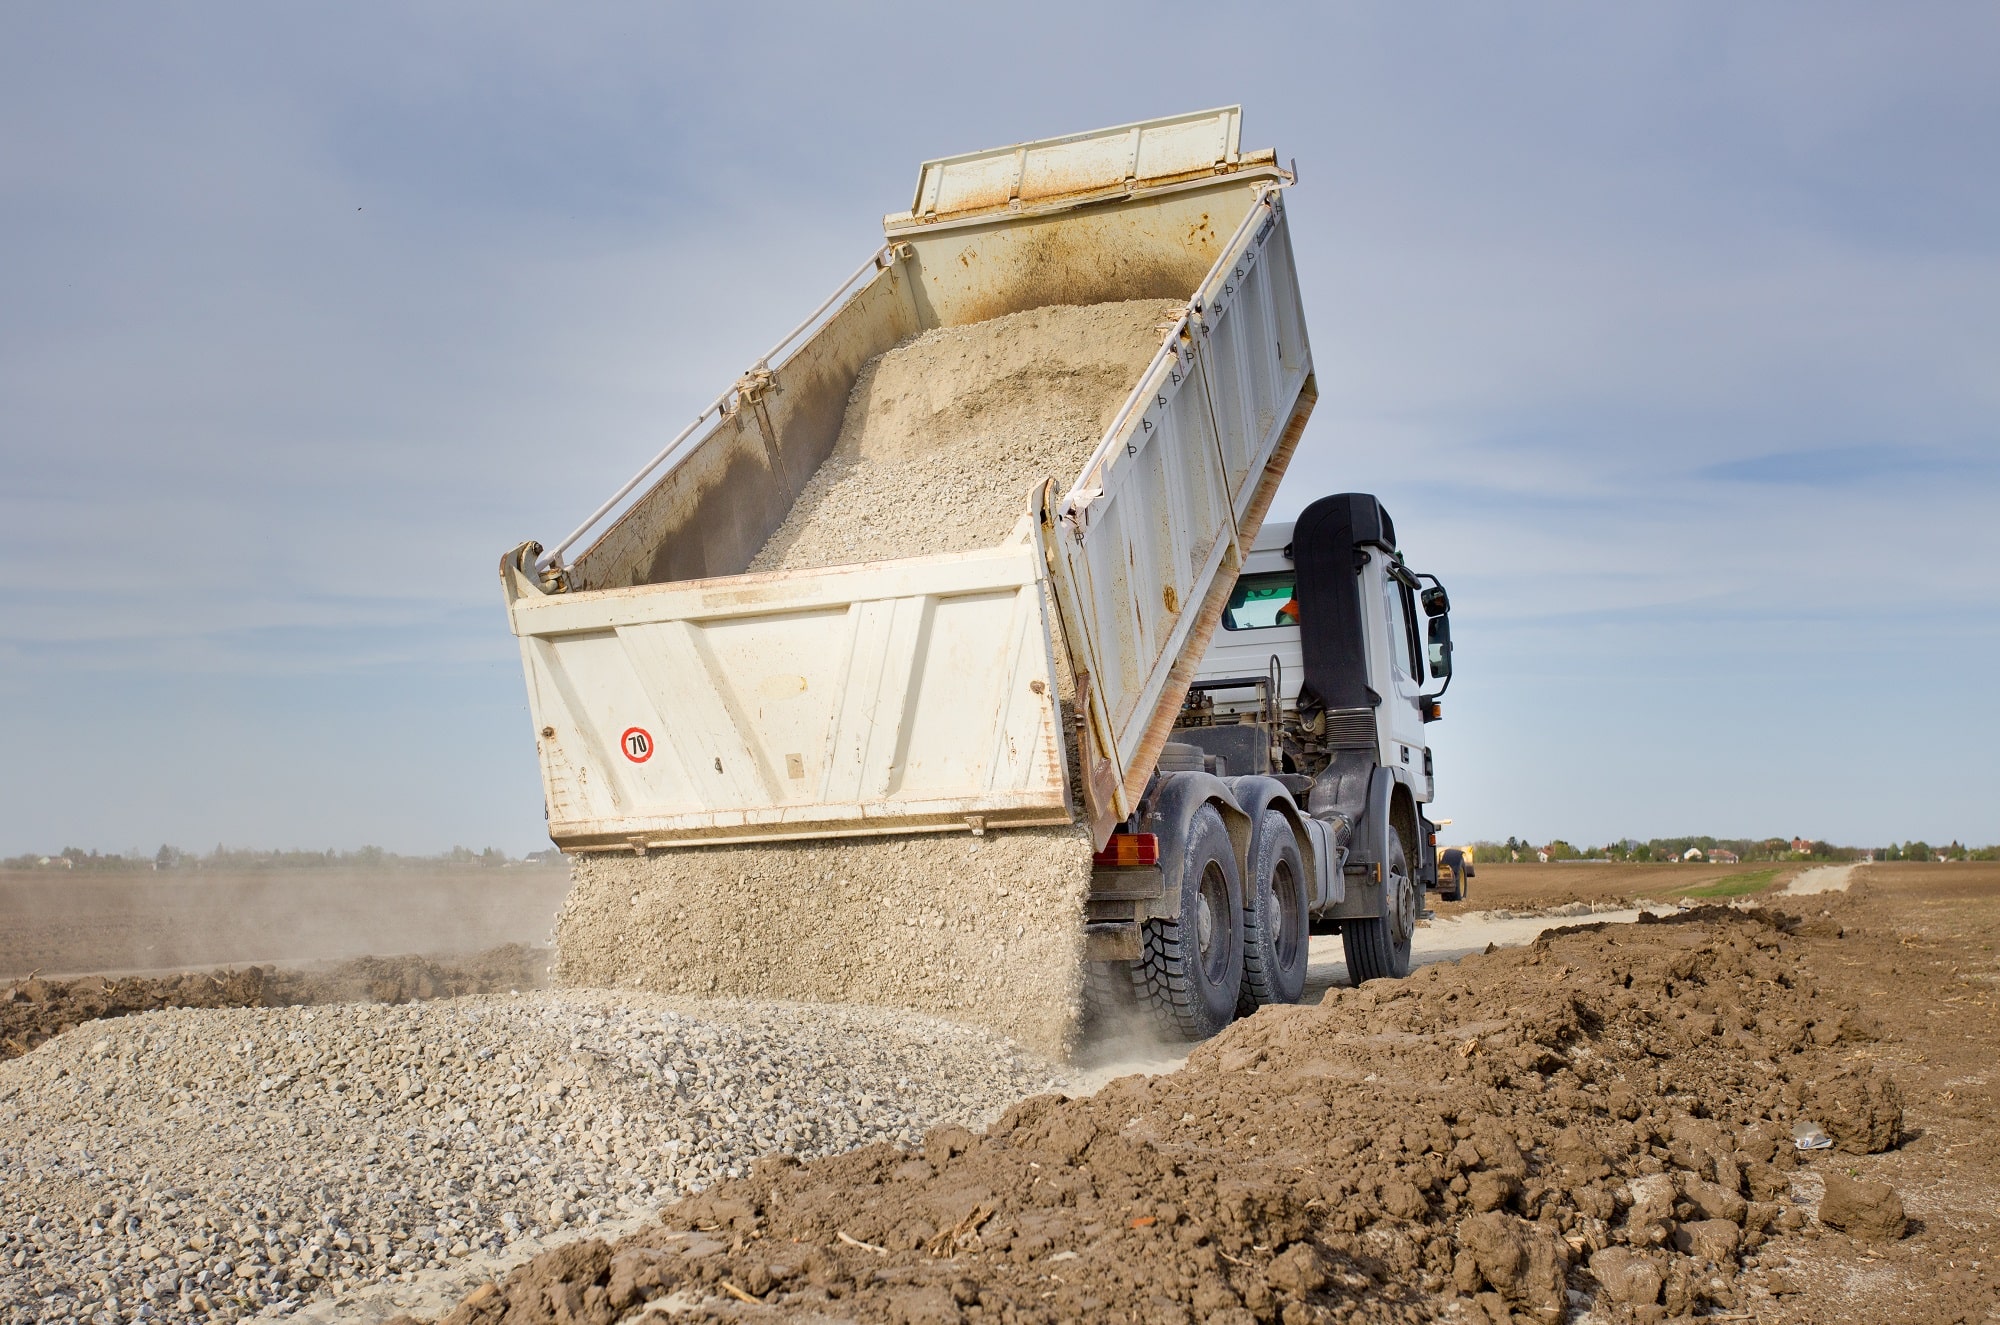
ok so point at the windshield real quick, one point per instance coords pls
(1262, 601)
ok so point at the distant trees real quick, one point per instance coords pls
(1519, 849)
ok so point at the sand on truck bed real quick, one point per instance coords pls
(946, 434)
(1599, 1127)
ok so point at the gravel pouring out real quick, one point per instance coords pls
(984, 930)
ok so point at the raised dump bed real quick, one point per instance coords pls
(677, 699)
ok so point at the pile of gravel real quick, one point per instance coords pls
(946, 435)
(211, 1164)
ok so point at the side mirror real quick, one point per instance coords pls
(1440, 644)
(1435, 602)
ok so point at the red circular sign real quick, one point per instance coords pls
(637, 743)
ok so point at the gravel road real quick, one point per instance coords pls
(214, 1163)
(1823, 879)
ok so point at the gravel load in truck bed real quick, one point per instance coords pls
(946, 434)
(211, 1163)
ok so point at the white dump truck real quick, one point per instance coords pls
(1232, 712)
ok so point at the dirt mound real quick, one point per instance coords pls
(946, 434)
(1606, 1111)
(35, 1010)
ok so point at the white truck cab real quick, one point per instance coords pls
(1303, 739)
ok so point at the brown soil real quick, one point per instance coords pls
(35, 1010)
(1607, 1113)
(1540, 887)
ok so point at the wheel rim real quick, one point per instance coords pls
(1211, 908)
(1285, 898)
(1403, 912)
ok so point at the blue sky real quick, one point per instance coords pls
(1668, 333)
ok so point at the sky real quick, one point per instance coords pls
(1668, 333)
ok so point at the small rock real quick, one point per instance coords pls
(1491, 1191)
(1628, 1276)
(1863, 1113)
(1297, 1270)
(1712, 1200)
(1870, 1211)
(1712, 1240)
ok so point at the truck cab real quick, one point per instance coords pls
(1291, 796)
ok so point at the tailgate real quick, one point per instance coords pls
(890, 697)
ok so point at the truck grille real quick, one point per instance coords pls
(1350, 729)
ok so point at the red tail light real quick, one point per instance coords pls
(1128, 849)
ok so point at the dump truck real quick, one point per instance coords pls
(1117, 668)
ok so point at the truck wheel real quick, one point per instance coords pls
(1276, 921)
(1110, 997)
(1193, 964)
(1379, 948)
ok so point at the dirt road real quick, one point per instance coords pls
(1521, 887)
(1822, 879)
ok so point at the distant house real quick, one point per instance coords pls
(1542, 855)
(1718, 856)
(1803, 845)
(1692, 853)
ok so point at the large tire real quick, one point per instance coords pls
(1276, 919)
(1451, 877)
(1110, 997)
(1192, 967)
(1379, 948)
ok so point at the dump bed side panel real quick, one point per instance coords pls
(1139, 546)
(894, 697)
(711, 511)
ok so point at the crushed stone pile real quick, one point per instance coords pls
(200, 1164)
(1606, 1114)
(985, 930)
(946, 434)
(35, 1010)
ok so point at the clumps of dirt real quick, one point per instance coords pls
(34, 1010)
(946, 434)
(1870, 1211)
(983, 930)
(1605, 1113)
(1862, 1112)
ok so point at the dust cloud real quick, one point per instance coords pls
(75, 923)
